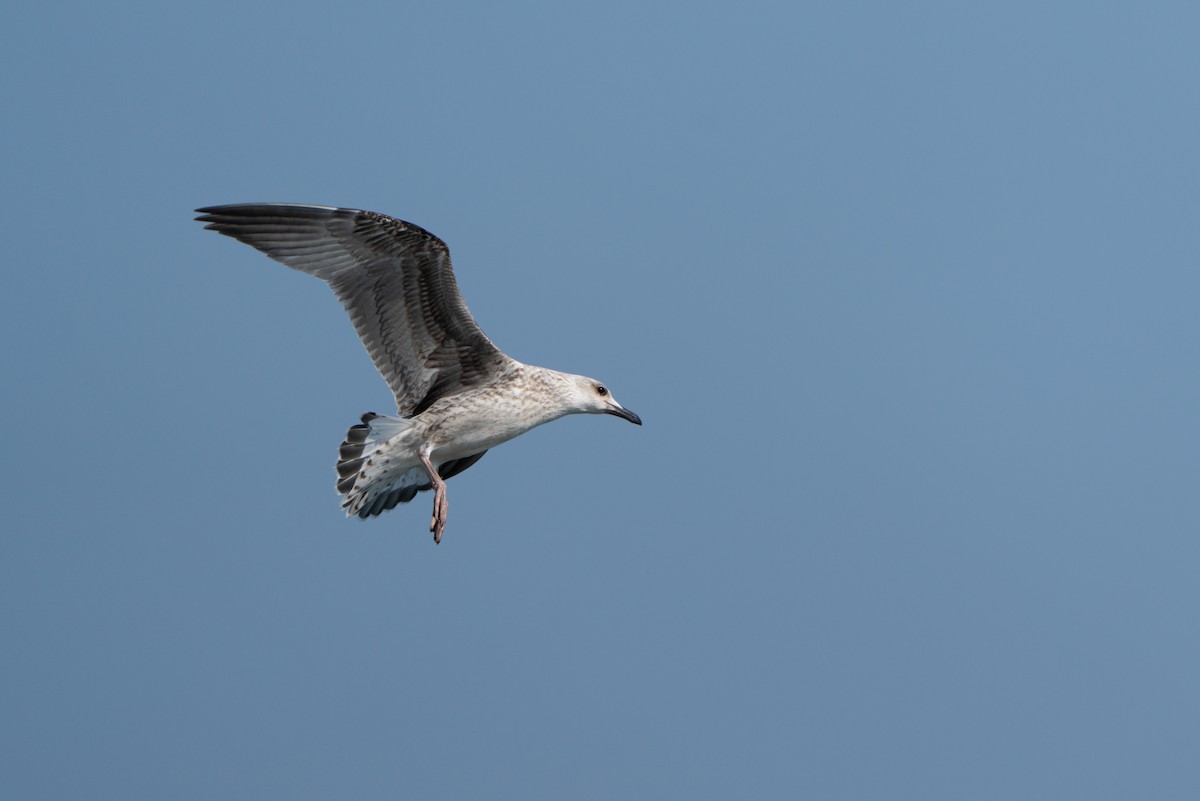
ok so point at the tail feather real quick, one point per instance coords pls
(367, 479)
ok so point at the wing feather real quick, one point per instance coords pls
(395, 281)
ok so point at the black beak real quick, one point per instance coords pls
(622, 412)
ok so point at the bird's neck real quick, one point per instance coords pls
(558, 389)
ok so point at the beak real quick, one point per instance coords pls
(620, 411)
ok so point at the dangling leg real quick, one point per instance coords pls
(438, 524)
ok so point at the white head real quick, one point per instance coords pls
(589, 396)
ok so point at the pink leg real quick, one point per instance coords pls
(438, 524)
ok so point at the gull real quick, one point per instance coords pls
(457, 395)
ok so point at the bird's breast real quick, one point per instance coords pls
(468, 423)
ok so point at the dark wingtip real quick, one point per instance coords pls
(207, 215)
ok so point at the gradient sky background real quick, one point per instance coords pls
(906, 294)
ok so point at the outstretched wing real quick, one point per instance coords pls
(396, 283)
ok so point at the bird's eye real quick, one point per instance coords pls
(602, 390)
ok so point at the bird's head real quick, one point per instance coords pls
(593, 397)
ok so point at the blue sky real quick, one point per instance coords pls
(905, 293)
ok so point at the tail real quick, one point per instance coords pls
(367, 485)
(369, 476)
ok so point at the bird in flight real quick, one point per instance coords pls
(457, 394)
